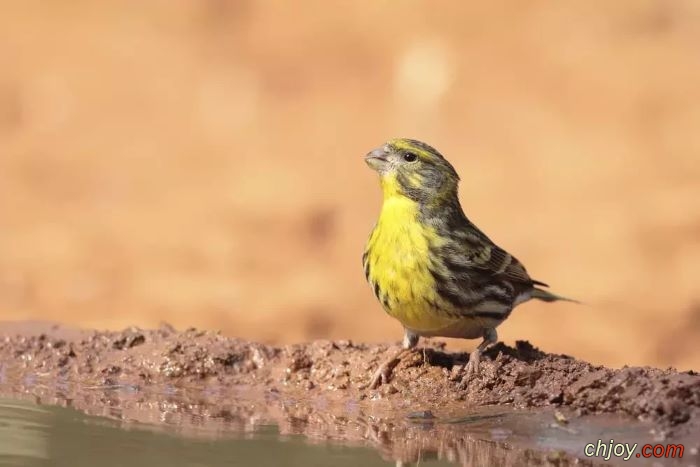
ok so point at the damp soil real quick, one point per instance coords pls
(203, 382)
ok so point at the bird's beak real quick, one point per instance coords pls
(377, 159)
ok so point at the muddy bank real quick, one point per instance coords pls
(159, 375)
(522, 376)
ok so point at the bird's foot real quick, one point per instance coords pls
(470, 369)
(386, 369)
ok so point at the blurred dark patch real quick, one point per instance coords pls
(318, 324)
(694, 317)
(660, 17)
(56, 179)
(320, 226)
(684, 338)
(10, 107)
(222, 13)
(16, 289)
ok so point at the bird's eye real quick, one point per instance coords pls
(409, 157)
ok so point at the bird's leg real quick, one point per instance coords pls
(383, 373)
(472, 366)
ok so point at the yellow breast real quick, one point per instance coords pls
(397, 265)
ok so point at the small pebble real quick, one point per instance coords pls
(558, 416)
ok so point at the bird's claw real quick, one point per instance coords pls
(471, 368)
(383, 373)
(381, 376)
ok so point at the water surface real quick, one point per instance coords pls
(33, 435)
(137, 430)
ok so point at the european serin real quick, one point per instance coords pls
(429, 266)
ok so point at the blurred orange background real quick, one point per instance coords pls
(201, 162)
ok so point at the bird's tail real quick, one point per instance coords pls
(545, 296)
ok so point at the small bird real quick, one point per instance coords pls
(430, 267)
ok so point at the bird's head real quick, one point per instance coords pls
(413, 169)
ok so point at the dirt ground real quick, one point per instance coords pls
(521, 377)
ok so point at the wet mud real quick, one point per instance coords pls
(203, 382)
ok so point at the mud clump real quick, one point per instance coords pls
(520, 377)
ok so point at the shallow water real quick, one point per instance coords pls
(37, 435)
